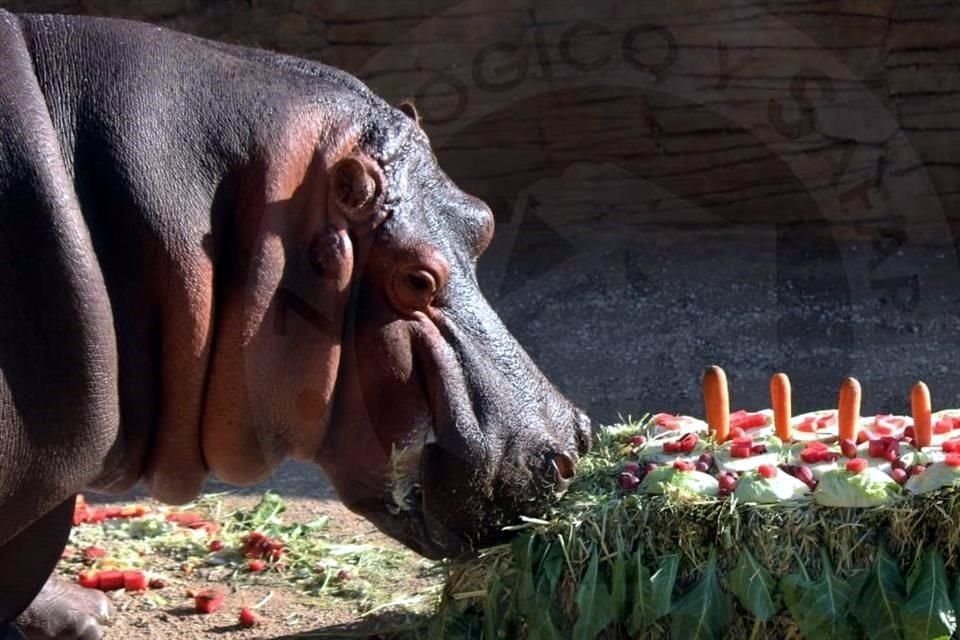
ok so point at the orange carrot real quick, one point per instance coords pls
(781, 403)
(716, 398)
(922, 422)
(848, 411)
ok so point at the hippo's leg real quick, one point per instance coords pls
(44, 606)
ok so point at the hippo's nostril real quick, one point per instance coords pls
(565, 466)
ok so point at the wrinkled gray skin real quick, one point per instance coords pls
(215, 258)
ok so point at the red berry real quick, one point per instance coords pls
(727, 482)
(952, 460)
(899, 475)
(702, 467)
(256, 565)
(248, 618)
(683, 466)
(848, 448)
(767, 470)
(857, 465)
(215, 545)
(638, 440)
(627, 481)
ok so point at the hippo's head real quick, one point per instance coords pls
(444, 430)
(367, 346)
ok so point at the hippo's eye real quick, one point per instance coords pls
(414, 289)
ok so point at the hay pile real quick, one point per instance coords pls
(608, 565)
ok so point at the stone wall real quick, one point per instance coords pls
(827, 115)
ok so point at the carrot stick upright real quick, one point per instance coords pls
(780, 400)
(848, 411)
(716, 398)
(921, 406)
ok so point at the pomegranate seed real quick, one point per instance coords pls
(628, 481)
(848, 448)
(899, 475)
(857, 465)
(767, 470)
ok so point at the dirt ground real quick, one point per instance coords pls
(287, 612)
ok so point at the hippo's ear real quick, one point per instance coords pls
(356, 190)
(410, 111)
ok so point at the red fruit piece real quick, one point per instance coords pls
(627, 481)
(248, 618)
(740, 450)
(857, 465)
(917, 469)
(667, 421)
(157, 583)
(215, 545)
(111, 580)
(89, 579)
(816, 445)
(92, 553)
(134, 580)
(683, 465)
(758, 449)
(943, 426)
(638, 440)
(951, 446)
(863, 436)
(688, 442)
(848, 448)
(884, 426)
(671, 447)
(891, 455)
(745, 420)
(952, 460)
(256, 565)
(767, 470)
(899, 475)
(813, 455)
(208, 601)
(706, 459)
(737, 432)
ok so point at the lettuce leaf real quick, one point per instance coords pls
(679, 484)
(934, 477)
(869, 488)
(783, 486)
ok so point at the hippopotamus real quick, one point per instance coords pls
(216, 258)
